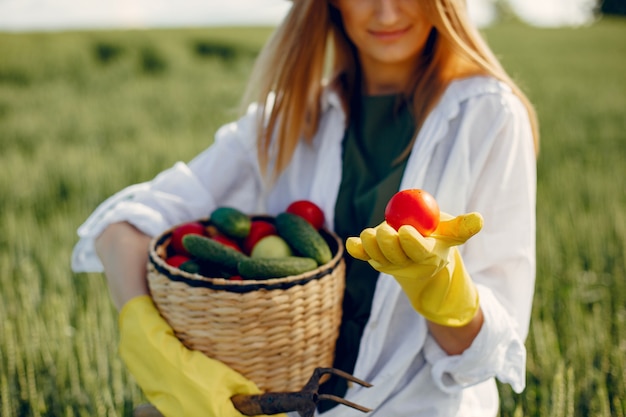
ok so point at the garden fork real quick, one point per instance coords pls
(303, 401)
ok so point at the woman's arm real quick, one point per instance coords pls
(182, 193)
(454, 340)
(173, 378)
(123, 251)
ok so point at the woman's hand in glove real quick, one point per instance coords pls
(429, 269)
(177, 381)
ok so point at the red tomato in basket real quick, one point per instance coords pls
(177, 260)
(309, 211)
(258, 230)
(176, 241)
(413, 207)
(227, 242)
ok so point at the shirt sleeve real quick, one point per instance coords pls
(496, 136)
(497, 351)
(226, 173)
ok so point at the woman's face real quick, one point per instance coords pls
(385, 32)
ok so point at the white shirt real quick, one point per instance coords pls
(474, 153)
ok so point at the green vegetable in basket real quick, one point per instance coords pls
(190, 266)
(303, 237)
(231, 222)
(212, 251)
(265, 268)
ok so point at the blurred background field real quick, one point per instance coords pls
(83, 114)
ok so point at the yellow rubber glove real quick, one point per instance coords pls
(429, 269)
(177, 381)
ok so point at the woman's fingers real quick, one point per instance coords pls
(416, 246)
(389, 244)
(370, 245)
(383, 245)
(459, 229)
(355, 249)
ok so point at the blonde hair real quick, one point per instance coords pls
(288, 77)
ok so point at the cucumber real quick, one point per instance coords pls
(190, 266)
(231, 222)
(303, 237)
(264, 268)
(209, 250)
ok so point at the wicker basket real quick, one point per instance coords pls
(275, 332)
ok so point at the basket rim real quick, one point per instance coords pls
(248, 285)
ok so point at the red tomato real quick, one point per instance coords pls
(236, 278)
(227, 242)
(413, 207)
(176, 242)
(308, 210)
(177, 260)
(258, 230)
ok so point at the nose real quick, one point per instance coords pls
(387, 11)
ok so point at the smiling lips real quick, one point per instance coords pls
(389, 35)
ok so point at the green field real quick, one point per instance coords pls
(84, 114)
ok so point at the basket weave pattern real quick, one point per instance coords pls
(274, 332)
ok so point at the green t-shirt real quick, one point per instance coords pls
(380, 129)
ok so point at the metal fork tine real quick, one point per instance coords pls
(343, 401)
(346, 375)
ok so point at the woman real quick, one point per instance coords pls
(416, 100)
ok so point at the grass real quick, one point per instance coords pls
(83, 114)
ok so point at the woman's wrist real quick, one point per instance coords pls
(455, 340)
